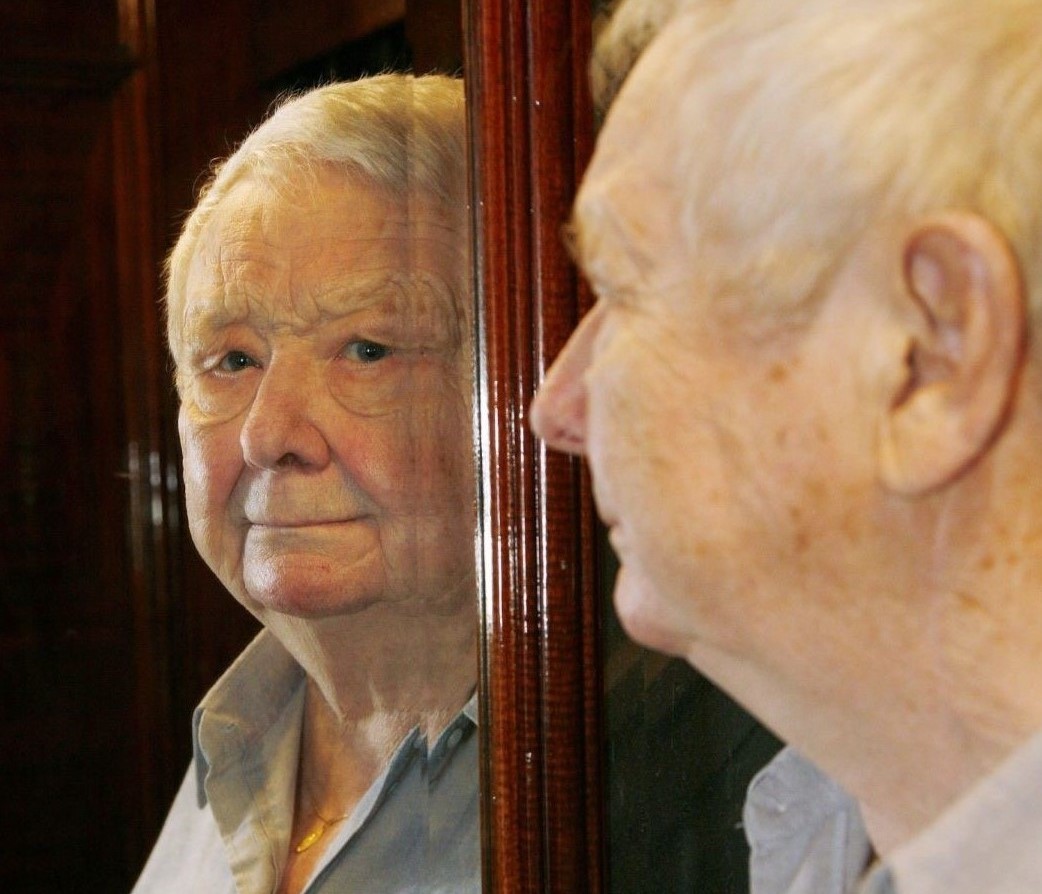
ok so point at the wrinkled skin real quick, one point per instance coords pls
(325, 384)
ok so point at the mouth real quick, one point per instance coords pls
(293, 523)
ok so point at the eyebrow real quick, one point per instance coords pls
(584, 233)
(388, 294)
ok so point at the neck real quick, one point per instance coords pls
(386, 663)
(371, 678)
(925, 683)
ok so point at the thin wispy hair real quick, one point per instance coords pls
(804, 121)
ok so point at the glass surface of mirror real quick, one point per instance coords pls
(113, 627)
(320, 317)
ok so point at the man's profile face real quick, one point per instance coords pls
(719, 447)
(325, 418)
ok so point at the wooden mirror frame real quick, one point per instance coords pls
(531, 134)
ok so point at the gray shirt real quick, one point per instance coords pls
(228, 832)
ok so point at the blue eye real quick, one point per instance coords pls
(366, 351)
(236, 361)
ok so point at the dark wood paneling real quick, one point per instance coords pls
(75, 367)
(288, 32)
(531, 133)
(434, 29)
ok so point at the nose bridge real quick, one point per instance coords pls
(558, 414)
(281, 426)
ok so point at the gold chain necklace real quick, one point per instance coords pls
(318, 831)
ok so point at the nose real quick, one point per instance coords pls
(558, 412)
(283, 427)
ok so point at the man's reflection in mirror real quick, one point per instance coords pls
(319, 308)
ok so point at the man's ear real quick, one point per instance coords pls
(963, 283)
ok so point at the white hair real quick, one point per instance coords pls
(621, 33)
(803, 121)
(405, 135)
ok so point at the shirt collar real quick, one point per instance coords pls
(805, 833)
(252, 696)
(248, 699)
(470, 709)
(987, 841)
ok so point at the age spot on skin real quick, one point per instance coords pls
(801, 541)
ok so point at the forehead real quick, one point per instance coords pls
(323, 214)
(628, 209)
(318, 248)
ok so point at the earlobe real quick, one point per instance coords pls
(962, 284)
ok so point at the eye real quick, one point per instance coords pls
(236, 361)
(366, 351)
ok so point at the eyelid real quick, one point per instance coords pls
(607, 293)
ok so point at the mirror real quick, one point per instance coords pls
(319, 310)
(113, 629)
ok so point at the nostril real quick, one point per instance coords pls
(543, 420)
(558, 434)
(289, 460)
(567, 441)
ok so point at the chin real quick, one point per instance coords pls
(654, 636)
(306, 595)
(644, 617)
(312, 606)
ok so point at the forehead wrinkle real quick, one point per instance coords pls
(209, 306)
(248, 274)
(420, 298)
(427, 299)
(440, 302)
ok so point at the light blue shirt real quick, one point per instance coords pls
(416, 830)
(806, 835)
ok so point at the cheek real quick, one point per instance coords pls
(643, 420)
(212, 464)
(421, 456)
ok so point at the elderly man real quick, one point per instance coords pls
(318, 318)
(812, 404)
